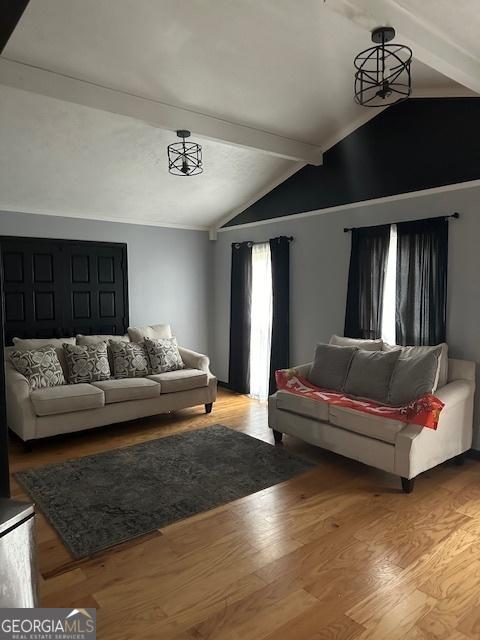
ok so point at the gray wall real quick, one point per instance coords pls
(319, 266)
(168, 269)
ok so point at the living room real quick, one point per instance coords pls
(239, 319)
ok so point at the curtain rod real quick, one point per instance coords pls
(455, 215)
(250, 243)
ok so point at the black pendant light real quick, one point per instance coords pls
(184, 158)
(382, 74)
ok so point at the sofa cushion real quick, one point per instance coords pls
(330, 366)
(366, 345)
(441, 377)
(316, 409)
(87, 340)
(163, 355)
(66, 399)
(182, 380)
(40, 366)
(87, 363)
(153, 331)
(128, 389)
(365, 424)
(370, 374)
(129, 359)
(413, 377)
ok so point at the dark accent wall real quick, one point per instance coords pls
(414, 145)
(10, 13)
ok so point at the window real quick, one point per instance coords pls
(397, 282)
(389, 290)
(261, 321)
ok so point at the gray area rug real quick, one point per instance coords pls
(101, 500)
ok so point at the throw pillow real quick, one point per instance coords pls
(163, 355)
(129, 359)
(26, 344)
(154, 332)
(330, 366)
(87, 363)
(40, 366)
(413, 377)
(441, 377)
(366, 345)
(370, 374)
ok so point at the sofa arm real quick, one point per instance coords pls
(460, 370)
(20, 415)
(195, 360)
(302, 370)
(418, 448)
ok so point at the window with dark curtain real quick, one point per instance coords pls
(421, 296)
(240, 317)
(280, 345)
(366, 277)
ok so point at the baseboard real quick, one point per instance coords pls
(473, 453)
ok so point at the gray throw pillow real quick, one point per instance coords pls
(87, 363)
(163, 355)
(129, 359)
(40, 366)
(370, 374)
(330, 366)
(413, 377)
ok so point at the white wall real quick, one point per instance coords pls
(320, 256)
(168, 269)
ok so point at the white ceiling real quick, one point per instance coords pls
(270, 64)
(65, 159)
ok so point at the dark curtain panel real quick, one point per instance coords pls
(279, 353)
(240, 324)
(421, 305)
(368, 263)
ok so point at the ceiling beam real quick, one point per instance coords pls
(10, 13)
(157, 114)
(429, 45)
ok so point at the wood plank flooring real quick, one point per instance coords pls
(337, 553)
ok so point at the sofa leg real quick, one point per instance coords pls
(407, 484)
(208, 407)
(277, 436)
(460, 460)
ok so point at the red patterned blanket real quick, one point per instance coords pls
(424, 411)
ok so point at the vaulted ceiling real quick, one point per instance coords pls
(91, 93)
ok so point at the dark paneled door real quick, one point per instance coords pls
(33, 285)
(56, 288)
(95, 281)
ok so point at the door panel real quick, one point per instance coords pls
(56, 288)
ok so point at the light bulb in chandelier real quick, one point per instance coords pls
(184, 158)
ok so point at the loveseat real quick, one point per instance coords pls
(405, 450)
(39, 413)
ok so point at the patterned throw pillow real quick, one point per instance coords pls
(87, 363)
(129, 359)
(163, 355)
(40, 366)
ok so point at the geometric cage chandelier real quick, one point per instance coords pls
(382, 74)
(184, 158)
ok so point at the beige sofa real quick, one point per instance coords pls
(74, 407)
(402, 449)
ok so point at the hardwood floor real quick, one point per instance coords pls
(338, 552)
